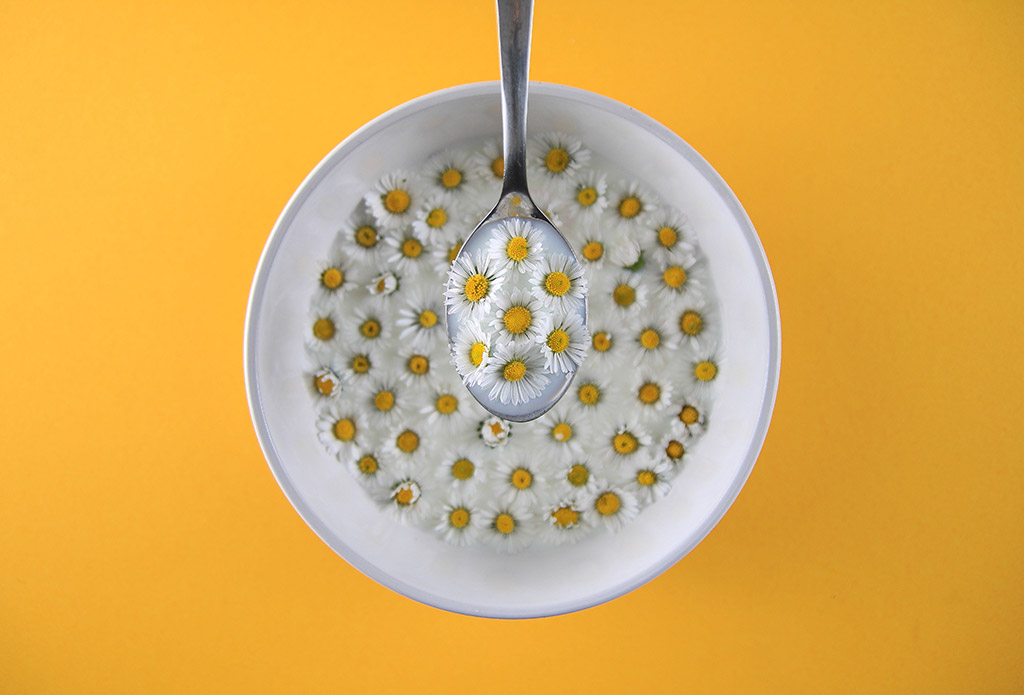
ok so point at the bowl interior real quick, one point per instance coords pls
(538, 581)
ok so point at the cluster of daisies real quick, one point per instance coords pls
(391, 405)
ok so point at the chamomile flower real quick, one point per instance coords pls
(394, 199)
(587, 198)
(555, 158)
(383, 285)
(625, 443)
(421, 321)
(405, 444)
(449, 407)
(593, 245)
(366, 467)
(383, 400)
(564, 522)
(519, 317)
(680, 280)
(649, 481)
(450, 172)
(697, 323)
(558, 283)
(508, 527)
(516, 245)
(515, 374)
(590, 392)
(472, 285)
(672, 449)
(630, 204)
(611, 506)
(324, 328)
(518, 481)
(459, 522)
(625, 294)
(438, 220)
(489, 165)
(356, 364)
(578, 478)
(341, 428)
(368, 328)
(405, 499)
(606, 331)
(652, 391)
(563, 342)
(652, 343)
(472, 351)
(325, 380)
(690, 417)
(462, 468)
(701, 368)
(668, 236)
(494, 432)
(361, 238)
(407, 251)
(334, 278)
(417, 368)
(560, 430)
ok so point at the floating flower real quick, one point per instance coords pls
(368, 328)
(652, 343)
(438, 220)
(519, 317)
(690, 418)
(324, 328)
(489, 165)
(649, 481)
(356, 364)
(326, 381)
(555, 158)
(507, 527)
(383, 400)
(472, 285)
(679, 280)
(407, 251)
(421, 321)
(406, 500)
(591, 391)
(405, 443)
(630, 204)
(459, 522)
(626, 442)
(461, 469)
(564, 522)
(593, 244)
(515, 374)
(558, 283)
(651, 390)
(516, 245)
(702, 368)
(394, 199)
(333, 278)
(587, 199)
(383, 285)
(697, 323)
(672, 448)
(612, 506)
(494, 431)
(563, 342)
(627, 294)
(365, 466)
(444, 255)
(560, 431)
(668, 237)
(471, 351)
(340, 429)
(579, 478)
(517, 481)
(417, 368)
(448, 408)
(452, 173)
(361, 237)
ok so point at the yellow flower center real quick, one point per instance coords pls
(565, 517)
(476, 353)
(451, 178)
(412, 248)
(453, 252)
(345, 430)
(691, 323)
(705, 371)
(504, 523)
(589, 394)
(396, 201)
(360, 364)
(608, 503)
(558, 340)
(332, 278)
(650, 339)
(521, 478)
(586, 196)
(667, 236)
(689, 415)
(446, 404)
(366, 236)
(367, 465)
(674, 450)
(517, 319)
(514, 370)
(578, 475)
(405, 495)
(384, 401)
(629, 207)
(562, 432)
(428, 319)
(437, 217)
(517, 248)
(625, 443)
(370, 328)
(602, 341)
(463, 469)
(557, 160)
(418, 364)
(649, 393)
(325, 382)
(498, 167)
(557, 283)
(674, 276)
(593, 251)
(408, 441)
(323, 329)
(624, 295)
(382, 284)
(646, 478)
(476, 287)
(459, 517)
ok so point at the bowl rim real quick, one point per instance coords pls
(257, 292)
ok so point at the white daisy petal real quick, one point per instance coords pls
(559, 284)
(394, 199)
(515, 374)
(563, 341)
(516, 245)
(472, 285)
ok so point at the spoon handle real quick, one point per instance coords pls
(515, 22)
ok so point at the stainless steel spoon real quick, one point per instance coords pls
(515, 23)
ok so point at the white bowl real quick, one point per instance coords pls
(539, 581)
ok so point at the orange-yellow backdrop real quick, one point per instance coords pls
(146, 150)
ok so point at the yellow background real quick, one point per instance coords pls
(146, 150)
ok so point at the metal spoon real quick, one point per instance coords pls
(515, 23)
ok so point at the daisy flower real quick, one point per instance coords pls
(559, 283)
(697, 323)
(649, 481)
(459, 523)
(652, 343)
(325, 380)
(690, 418)
(702, 368)
(578, 477)
(672, 449)
(517, 481)
(520, 317)
(404, 444)
(340, 429)
(611, 506)
(626, 442)
(515, 374)
(383, 401)
(365, 466)
(394, 199)
(361, 237)
(516, 244)
(420, 322)
(450, 172)
(668, 236)
(488, 164)
(591, 392)
(438, 220)
(471, 351)
(560, 431)
(383, 285)
(593, 245)
(679, 279)
(406, 500)
(555, 158)
(418, 367)
(449, 407)
(508, 527)
(356, 363)
(407, 250)
(564, 522)
(587, 199)
(472, 285)
(630, 204)
(494, 431)
(324, 328)
(461, 469)
(443, 255)
(367, 328)
(563, 342)
(627, 294)
(333, 278)
(651, 390)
